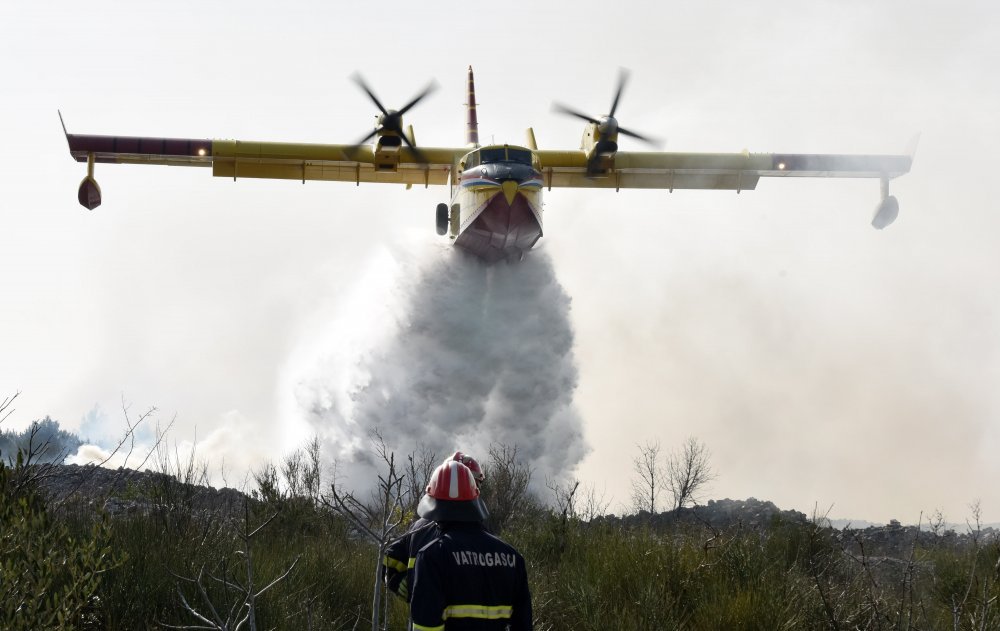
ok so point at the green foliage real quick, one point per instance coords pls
(584, 576)
(328, 589)
(49, 578)
(57, 571)
(772, 576)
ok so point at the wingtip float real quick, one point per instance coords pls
(496, 190)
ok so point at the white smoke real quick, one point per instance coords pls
(443, 351)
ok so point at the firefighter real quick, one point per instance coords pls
(397, 565)
(465, 578)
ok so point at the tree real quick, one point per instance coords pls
(57, 442)
(505, 490)
(420, 464)
(688, 472)
(379, 520)
(242, 592)
(648, 483)
(48, 578)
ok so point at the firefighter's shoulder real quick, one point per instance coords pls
(472, 549)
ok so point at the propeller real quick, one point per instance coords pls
(607, 125)
(392, 120)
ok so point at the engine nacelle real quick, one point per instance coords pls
(601, 158)
(386, 152)
(605, 147)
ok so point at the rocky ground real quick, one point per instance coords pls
(126, 491)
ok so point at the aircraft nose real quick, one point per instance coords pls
(509, 188)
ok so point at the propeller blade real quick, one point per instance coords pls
(558, 107)
(622, 78)
(417, 153)
(651, 141)
(431, 87)
(364, 86)
(607, 127)
(391, 121)
(365, 139)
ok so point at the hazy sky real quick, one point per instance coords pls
(822, 362)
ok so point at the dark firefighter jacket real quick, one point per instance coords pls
(469, 579)
(397, 565)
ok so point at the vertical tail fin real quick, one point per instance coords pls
(472, 126)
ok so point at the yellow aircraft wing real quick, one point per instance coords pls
(290, 161)
(722, 171)
(341, 163)
(348, 163)
(393, 157)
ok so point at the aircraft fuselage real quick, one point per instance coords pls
(496, 207)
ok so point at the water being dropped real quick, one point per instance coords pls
(473, 355)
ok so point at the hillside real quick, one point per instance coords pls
(147, 549)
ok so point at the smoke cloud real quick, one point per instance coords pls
(463, 355)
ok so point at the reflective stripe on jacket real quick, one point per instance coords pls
(397, 565)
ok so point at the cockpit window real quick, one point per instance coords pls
(494, 155)
(497, 154)
(519, 155)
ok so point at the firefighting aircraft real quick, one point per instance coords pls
(495, 190)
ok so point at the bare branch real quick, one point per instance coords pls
(251, 535)
(204, 597)
(130, 433)
(243, 609)
(380, 519)
(688, 472)
(594, 505)
(6, 403)
(506, 487)
(193, 612)
(420, 464)
(280, 578)
(647, 487)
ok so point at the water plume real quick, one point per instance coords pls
(469, 355)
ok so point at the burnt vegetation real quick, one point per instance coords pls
(96, 548)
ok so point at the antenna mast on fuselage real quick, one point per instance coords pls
(472, 126)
